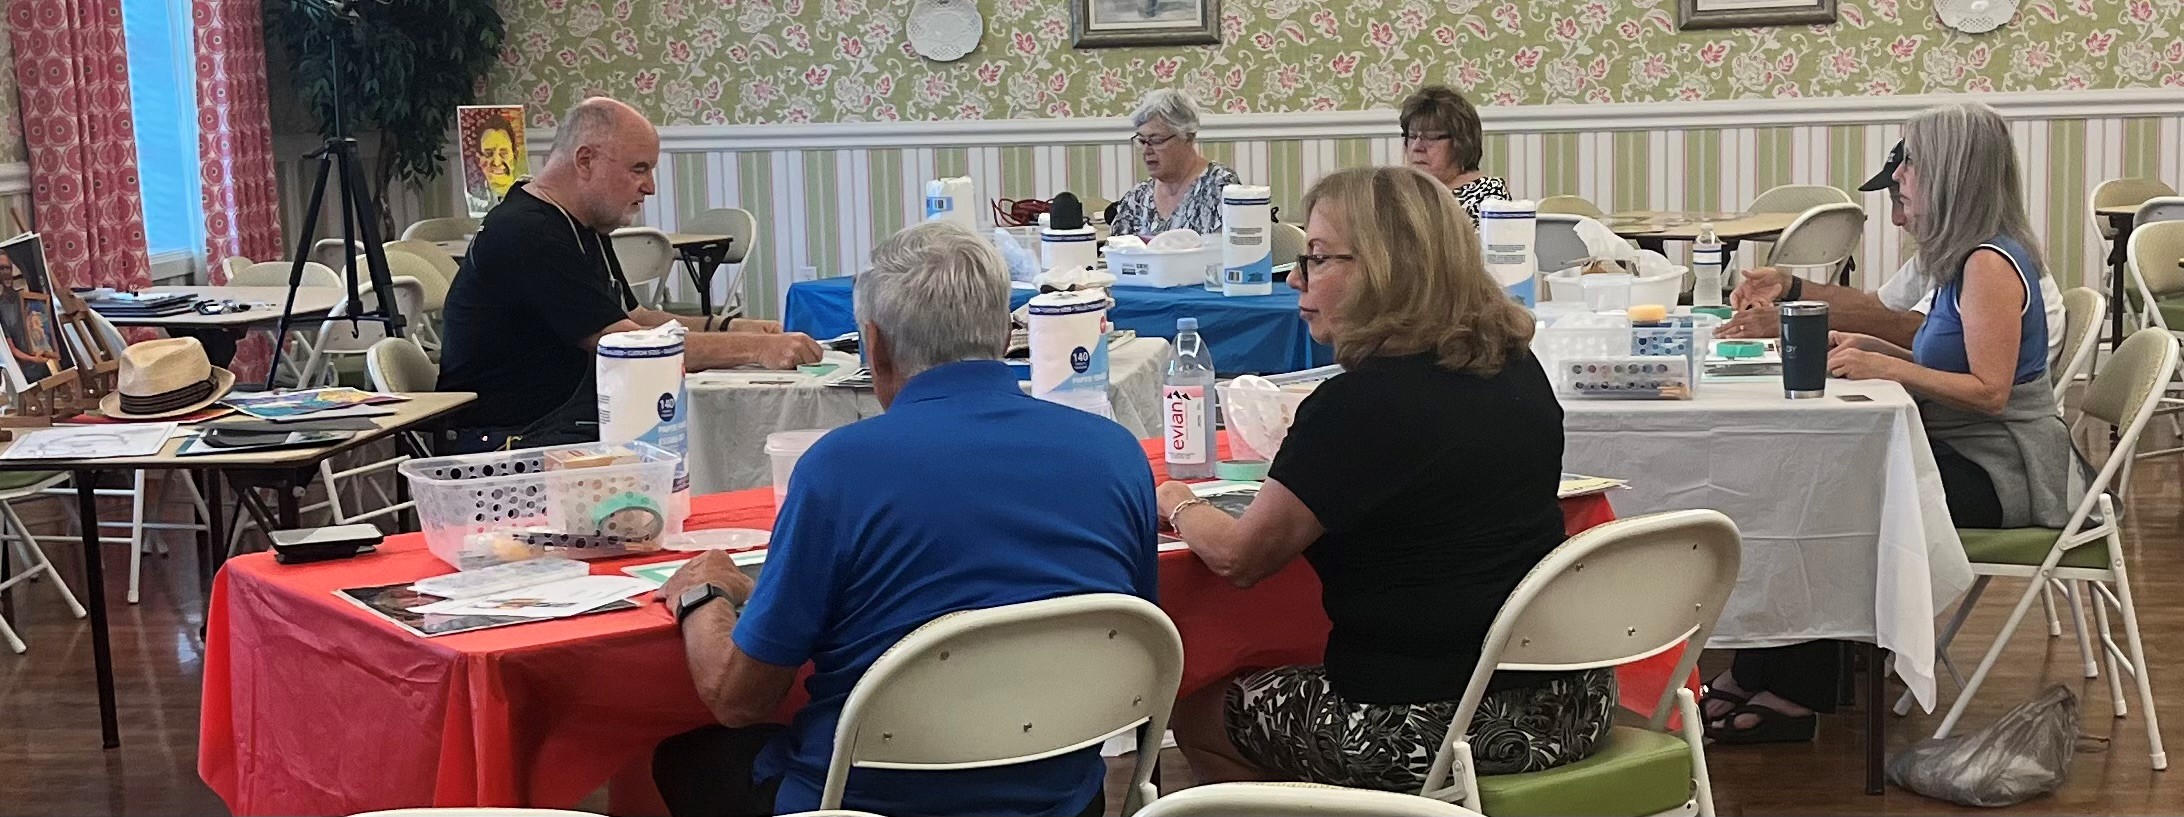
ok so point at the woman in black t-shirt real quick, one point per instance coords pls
(1421, 486)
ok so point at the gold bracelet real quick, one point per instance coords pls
(1178, 509)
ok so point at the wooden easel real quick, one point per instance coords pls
(72, 391)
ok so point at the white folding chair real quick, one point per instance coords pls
(441, 229)
(30, 560)
(1669, 574)
(415, 259)
(400, 365)
(1555, 242)
(736, 223)
(647, 259)
(233, 265)
(275, 274)
(2083, 309)
(334, 253)
(1571, 205)
(339, 342)
(1014, 684)
(1288, 242)
(2150, 259)
(1789, 198)
(1823, 237)
(2088, 550)
(1296, 800)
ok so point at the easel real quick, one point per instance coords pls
(71, 391)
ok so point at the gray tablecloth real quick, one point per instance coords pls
(732, 412)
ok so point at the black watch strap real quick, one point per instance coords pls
(699, 596)
(1797, 289)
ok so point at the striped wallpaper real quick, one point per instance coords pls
(822, 211)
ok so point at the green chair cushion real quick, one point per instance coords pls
(2172, 309)
(18, 480)
(1636, 772)
(2028, 547)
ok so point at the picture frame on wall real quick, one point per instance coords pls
(1126, 23)
(1700, 14)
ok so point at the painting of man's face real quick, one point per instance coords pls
(497, 158)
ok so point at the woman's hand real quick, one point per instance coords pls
(1171, 494)
(1853, 363)
(1761, 287)
(1857, 340)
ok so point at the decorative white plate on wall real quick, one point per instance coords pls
(945, 30)
(1975, 16)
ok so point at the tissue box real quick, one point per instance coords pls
(1142, 268)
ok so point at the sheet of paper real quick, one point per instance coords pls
(657, 573)
(1581, 485)
(290, 404)
(567, 597)
(91, 442)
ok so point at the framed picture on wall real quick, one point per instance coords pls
(1691, 14)
(1116, 23)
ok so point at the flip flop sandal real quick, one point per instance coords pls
(1772, 727)
(1708, 693)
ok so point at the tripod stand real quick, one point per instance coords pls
(359, 220)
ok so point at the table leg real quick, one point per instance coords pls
(287, 503)
(2118, 255)
(1876, 725)
(94, 576)
(696, 267)
(215, 553)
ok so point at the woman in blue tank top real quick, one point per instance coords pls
(1977, 368)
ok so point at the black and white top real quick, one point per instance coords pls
(1199, 210)
(1479, 191)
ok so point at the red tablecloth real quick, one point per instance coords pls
(312, 706)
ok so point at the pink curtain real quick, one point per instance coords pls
(73, 69)
(235, 150)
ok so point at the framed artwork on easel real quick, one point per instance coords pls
(29, 315)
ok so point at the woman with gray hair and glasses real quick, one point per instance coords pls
(1185, 188)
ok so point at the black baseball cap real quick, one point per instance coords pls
(1887, 177)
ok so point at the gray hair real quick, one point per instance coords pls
(1969, 186)
(1171, 107)
(587, 123)
(939, 293)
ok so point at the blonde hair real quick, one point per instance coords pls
(1968, 177)
(1419, 284)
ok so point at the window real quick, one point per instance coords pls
(163, 93)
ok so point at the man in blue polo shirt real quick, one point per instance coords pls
(966, 494)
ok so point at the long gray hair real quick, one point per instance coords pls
(1969, 182)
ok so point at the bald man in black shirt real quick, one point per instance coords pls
(541, 286)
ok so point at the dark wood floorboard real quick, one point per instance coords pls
(50, 763)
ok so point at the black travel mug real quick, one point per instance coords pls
(1804, 349)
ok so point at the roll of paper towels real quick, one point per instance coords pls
(1247, 246)
(642, 399)
(950, 200)
(1508, 233)
(1068, 248)
(1069, 349)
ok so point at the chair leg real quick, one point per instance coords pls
(34, 557)
(136, 538)
(15, 643)
(1994, 651)
(2047, 605)
(2075, 595)
(2120, 706)
(2143, 676)
(1695, 737)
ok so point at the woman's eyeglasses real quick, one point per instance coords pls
(1409, 137)
(1154, 141)
(1305, 263)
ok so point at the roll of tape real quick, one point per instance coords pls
(1241, 470)
(629, 515)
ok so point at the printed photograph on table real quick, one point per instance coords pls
(1696, 14)
(26, 313)
(490, 138)
(1122, 23)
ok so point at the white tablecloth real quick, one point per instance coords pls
(1846, 532)
(731, 412)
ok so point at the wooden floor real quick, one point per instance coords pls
(50, 763)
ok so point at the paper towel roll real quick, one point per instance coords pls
(1069, 248)
(1247, 247)
(642, 398)
(1069, 349)
(1508, 234)
(950, 200)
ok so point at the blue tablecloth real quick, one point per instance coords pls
(1255, 335)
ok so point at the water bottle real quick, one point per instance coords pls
(1706, 263)
(1187, 398)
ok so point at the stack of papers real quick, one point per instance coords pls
(132, 305)
(317, 403)
(1581, 485)
(428, 615)
(91, 442)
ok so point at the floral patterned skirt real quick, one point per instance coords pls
(1288, 720)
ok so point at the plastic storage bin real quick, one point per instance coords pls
(1661, 289)
(1139, 268)
(1604, 356)
(1258, 419)
(506, 506)
(785, 448)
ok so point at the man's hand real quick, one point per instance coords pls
(714, 567)
(1761, 287)
(755, 326)
(788, 350)
(1756, 322)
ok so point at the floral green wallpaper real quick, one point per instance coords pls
(690, 62)
(12, 150)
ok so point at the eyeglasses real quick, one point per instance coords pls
(1154, 141)
(1409, 137)
(1305, 263)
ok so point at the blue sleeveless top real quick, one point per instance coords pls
(1939, 344)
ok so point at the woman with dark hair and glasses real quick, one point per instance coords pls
(1442, 136)
(1185, 188)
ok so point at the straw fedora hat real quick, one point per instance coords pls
(165, 378)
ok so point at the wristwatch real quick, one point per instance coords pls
(698, 596)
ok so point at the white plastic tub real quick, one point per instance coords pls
(1661, 289)
(785, 448)
(1140, 268)
(470, 505)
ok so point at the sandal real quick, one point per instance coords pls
(1772, 727)
(1709, 693)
